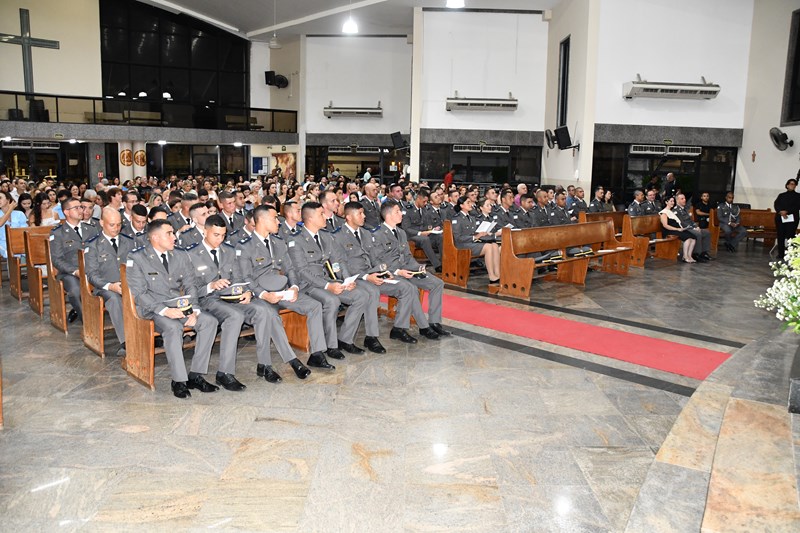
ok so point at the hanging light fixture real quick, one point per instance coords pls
(455, 4)
(273, 43)
(350, 26)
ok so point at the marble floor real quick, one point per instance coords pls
(481, 431)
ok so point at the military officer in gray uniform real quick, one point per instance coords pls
(540, 213)
(194, 235)
(703, 236)
(227, 204)
(636, 207)
(88, 221)
(65, 241)
(652, 206)
(560, 216)
(231, 302)
(180, 220)
(598, 205)
(390, 247)
(137, 227)
(525, 212)
(102, 256)
(578, 203)
(291, 224)
(504, 213)
(356, 244)
(419, 225)
(372, 206)
(162, 280)
(263, 260)
(730, 222)
(317, 260)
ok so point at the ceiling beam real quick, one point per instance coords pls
(315, 16)
(178, 9)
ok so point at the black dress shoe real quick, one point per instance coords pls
(72, 316)
(180, 390)
(268, 373)
(402, 335)
(335, 353)
(198, 382)
(706, 256)
(229, 381)
(121, 350)
(300, 370)
(349, 348)
(374, 345)
(318, 360)
(429, 334)
(440, 330)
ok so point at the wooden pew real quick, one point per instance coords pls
(94, 316)
(36, 256)
(1, 396)
(713, 228)
(417, 253)
(638, 230)
(391, 307)
(140, 335)
(15, 246)
(455, 262)
(517, 272)
(760, 224)
(615, 216)
(56, 295)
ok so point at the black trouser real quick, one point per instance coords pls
(785, 231)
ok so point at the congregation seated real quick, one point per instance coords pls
(481, 244)
(672, 226)
(10, 217)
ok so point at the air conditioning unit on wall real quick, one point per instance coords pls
(353, 112)
(656, 89)
(481, 104)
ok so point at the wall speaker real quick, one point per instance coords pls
(562, 138)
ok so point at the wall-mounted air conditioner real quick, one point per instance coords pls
(666, 151)
(478, 148)
(353, 112)
(648, 149)
(339, 149)
(368, 150)
(496, 149)
(684, 151)
(481, 104)
(32, 145)
(655, 89)
(467, 148)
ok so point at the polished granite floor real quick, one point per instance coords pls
(482, 431)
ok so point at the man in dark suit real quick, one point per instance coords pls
(162, 280)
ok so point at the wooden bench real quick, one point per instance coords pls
(240, 122)
(1, 396)
(36, 256)
(56, 294)
(615, 216)
(140, 335)
(455, 262)
(417, 253)
(15, 246)
(760, 224)
(517, 272)
(638, 230)
(94, 313)
(390, 311)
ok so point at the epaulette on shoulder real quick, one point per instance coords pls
(55, 228)
(92, 239)
(246, 239)
(190, 247)
(337, 230)
(276, 236)
(226, 243)
(121, 235)
(139, 249)
(373, 230)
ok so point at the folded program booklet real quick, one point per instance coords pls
(485, 227)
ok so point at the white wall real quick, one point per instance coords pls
(357, 72)
(675, 41)
(483, 55)
(577, 19)
(286, 61)
(759, 182)
(74, 69)
(259, 63)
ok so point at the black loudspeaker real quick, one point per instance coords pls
(562, 137)
(397, 140)
(270, 77)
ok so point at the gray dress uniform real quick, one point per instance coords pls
(270, 269)
(139, 237)
(464, 227)
(540, 216)
(636, 209)
(265, 319)
(728, 214)
(334, 223)
(703, 236)
(651, 208)
(65, 241)
(372, 212)
(597, 206)
(448, 213)
(152, 284)
(309, 260)
(525, 218)
(234, 222)
(189, 238)
(286, 233)
(416, 221)
(356, 255)
(391, 247)
(102, 264)
(578, 205)
(559, 216)
(505, 217)
(92, 229)
(177, 220)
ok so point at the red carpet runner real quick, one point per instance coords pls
(659, 354)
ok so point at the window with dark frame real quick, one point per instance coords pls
(563, 82)
(790, 112)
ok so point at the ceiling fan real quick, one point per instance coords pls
(274, 44)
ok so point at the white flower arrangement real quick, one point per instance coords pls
(784, 295)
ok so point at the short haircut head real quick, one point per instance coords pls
(308, 207)
(139, 210)
(195, 207)
(350, 207)
(215, 220)
(190, 197)
(387, 206)
(113, 191)
(66, 204)
(156, 225)
(423, 193)
(261, 211)
(224, 195)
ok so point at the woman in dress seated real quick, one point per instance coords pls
(671, 225)
(481, 244)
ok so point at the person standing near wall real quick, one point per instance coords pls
(787, 209)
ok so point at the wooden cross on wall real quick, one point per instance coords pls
(27, 43)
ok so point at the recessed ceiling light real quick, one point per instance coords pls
(72, 141)
(162, 142)
(237, 144)
(142, 94)
(121, 93)
(350, 27)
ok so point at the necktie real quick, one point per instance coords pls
(165, 263)
(316, 239)
(358, 238)
(114, 244)
(269, 248)
(394, 232)
(78, 231)
(216, 260)
(230, 221)
(331, 223)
